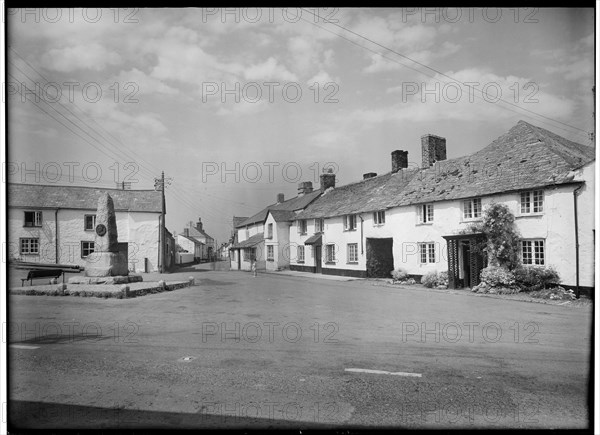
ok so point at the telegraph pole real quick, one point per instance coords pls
(159, 183)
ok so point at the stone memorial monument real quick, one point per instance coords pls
(106, 259)
(107, 264)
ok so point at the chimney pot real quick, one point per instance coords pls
(369, 175)
(280, 198)
(304, 187)
(433, 149)
(327, 181)
(399, 160)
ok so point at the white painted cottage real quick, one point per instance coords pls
(264, 237)
(411, 217)
(56, 224)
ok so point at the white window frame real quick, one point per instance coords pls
(300, 254)
(536, 252)
(85, 220)
(91, 246)
(379, 217)
(319, 225)
(269, 231)
(302, 226)
(425, 213)
(270, 252)
(531, 202)
(475, 213)
(37, 219)
(350, 222)
(330, 253)
(352, 252)
(29, 243)
(426, 252)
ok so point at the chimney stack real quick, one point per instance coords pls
(433, 149)
(327, 181)
(304, 187)
(186, 232)
(369, 175)
(280, 198)
(199, 225)
(399, 160)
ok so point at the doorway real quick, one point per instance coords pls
(318, 264)
(380, 257)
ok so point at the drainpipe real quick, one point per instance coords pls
(362, 251)
(576, 240)
(56, 249)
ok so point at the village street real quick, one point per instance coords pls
(274, 351)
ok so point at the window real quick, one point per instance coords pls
(352, 252)
(319, 225)
(29, 246)
(270, 252)
(302, 226)
(425, 212)
(472, 208)
(350, 222)
(330, 253)
(33, 219)
(270, 231)
(532, 202)
(533, 252)
(89, 222)
(427, 251)
(87, 248)
(379, 217)
(300, 254)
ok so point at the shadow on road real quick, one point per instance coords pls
(24, 415)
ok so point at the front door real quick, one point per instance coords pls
(239, 259)
(318, 258)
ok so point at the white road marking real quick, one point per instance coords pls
(22, 346)
(382, 372)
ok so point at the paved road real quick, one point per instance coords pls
(273, 351)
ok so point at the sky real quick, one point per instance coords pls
(237, 105)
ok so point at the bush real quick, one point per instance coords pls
(399, 275)
(532, 278)
(495, 276)
(435, 279)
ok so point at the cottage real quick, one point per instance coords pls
(264, 237)
(412, 217)
(195, 240)
(55, 224)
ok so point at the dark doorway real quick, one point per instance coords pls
(318, 265)
(380, 257)
(466, 263)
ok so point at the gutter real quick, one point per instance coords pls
(576, 240)
(362, 251)
(56, 248)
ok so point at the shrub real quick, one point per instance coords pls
(495, 276)
(531, 278)
(435, 279)
(399, 274)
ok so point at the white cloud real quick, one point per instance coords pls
(145, 83)
(269, 70)
(92, 57)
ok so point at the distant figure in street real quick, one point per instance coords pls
(253, 268)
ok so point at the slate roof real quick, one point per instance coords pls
(78, 197)
(282, 215)
(191, 239)
(252, 241)
(526, 157)
(237, 220)
(195, 232)
(297, 203)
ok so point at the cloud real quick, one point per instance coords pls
(145, 83)
(269, 70)
(92, 57)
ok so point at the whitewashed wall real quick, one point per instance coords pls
(139, 229)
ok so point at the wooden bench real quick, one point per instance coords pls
(41, 273)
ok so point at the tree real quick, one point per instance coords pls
(503, 238)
